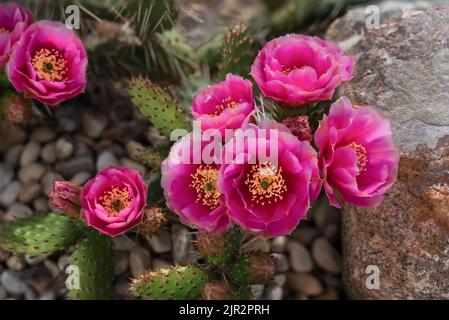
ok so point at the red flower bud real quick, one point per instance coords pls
(211, 243)
(217, 290)
(152, 222)
(300, 127)
(16, 110)
(65, 196)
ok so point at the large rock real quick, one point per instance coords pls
(403, 69)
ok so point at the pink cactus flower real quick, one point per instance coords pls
(65, 196)
(357, 155)
(225, 105)
(190, 186)
(114, 200)
(48, 63)
(297, 69)
(14, 19)
(266, 199)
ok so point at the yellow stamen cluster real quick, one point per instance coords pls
(115, 200)
(362, 159)
(266, 183)
(204, 182)
(225, 104)
(49, 65)
(287, 70)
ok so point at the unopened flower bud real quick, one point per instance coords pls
(16, 110)
(217, 290)
(211, 243)
(152, 222)
(65, 196)
(261, 268)
(300, 127)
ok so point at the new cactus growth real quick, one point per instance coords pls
(157, 105)
(40, 234)
(94, 259)
(237, 51)
(215, 247)
(255, 268)
(173, 283)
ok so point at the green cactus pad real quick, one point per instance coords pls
(237, 51)
(210, 52)
(176, 46)
(94, 259)
(41, 234)
(157, 105)
(175, 283)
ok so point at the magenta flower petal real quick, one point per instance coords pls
(14, 19)
(267, 198)
(225, 105)
(190, 189)
(114, 200)
(48, 63)
(297, 69)
(357, 155)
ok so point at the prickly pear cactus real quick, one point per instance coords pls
(210, 52)
(157, 105)
(175, 283)
(41, 234)
(176, 46)
(94, 259)
(237, 51)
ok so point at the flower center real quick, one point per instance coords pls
(115, 200)
(49, 65)
(362, 159)
(204, 182)
(225, 104)
(287, 70)
(266, 183)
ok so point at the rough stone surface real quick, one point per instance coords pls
(403, 68)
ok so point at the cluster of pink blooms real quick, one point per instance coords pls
(356, 160)
(43, 60)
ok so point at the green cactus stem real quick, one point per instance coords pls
(250, 269)
(94, 259)
(176, 47)
(41, 234)
(176, 283)
(157, 105)
(210, 52)
(238, 51)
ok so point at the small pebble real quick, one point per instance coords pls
(64, 148)
(139, 260)
(304, 283)
(81, 178)
(30, 153)
(16, 263)
(274, 292)
(48, 153)
(13, 155)
(300, 258)
(31, 172)
(12, 283)
(29, 192)
(43, 135)
(278, 244)
(105, 160)
(161, 243)
(10, 194)
(326, 256)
